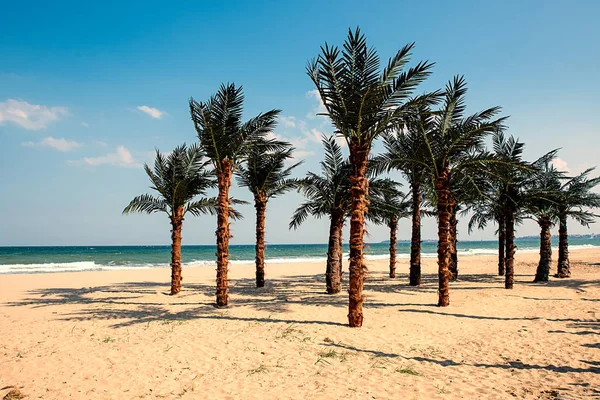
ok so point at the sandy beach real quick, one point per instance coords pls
(118, 335)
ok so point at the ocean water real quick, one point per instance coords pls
(25, 260)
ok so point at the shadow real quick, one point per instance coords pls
(484, 317)
(592, 345)
(145, 301)
(147, 315)
(356, 349)
(517, 365)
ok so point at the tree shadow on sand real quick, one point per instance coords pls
(511, 365)
(144, 301)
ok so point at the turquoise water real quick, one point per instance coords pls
(89, 258)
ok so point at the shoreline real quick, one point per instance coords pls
(92, 266)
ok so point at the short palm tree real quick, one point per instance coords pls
(541, 204)
(227, 142)
(363, 103)
(575, 200)
(179, 178)
(493, 204)
(266, 176)
(328, 195)
(387, 207)
(455, 152)
(401, 147)
(511, 177)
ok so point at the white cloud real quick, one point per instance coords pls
(301, 154)
(289, 122)
(319, 107)
(85, 124)
(153, 112)
(30, 116)
(100, 143)
(560, 164)
(120, 158)
(59, 144)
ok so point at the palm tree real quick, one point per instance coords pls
(511, 177)
(541, 202)
(227, 142)
(401, 147)
(493, 204)
(363, 103)
(178, 177)
(574, 199)
(328, 196)
(266, 176)
(489, 208)
(455, 152)
(387, 207)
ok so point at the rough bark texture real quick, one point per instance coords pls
(564, 266)
(360, 189)
(453, 267)
(341, 249)
(260, 204)
(509, 260)
(415, 240)
(223, 235)
(393, 225)
(444, 205)
(543, 269)
(501, 243)
(176, 224)
(333, 275)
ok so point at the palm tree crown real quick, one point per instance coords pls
(327, 192)
(221, 131)
(178, 178)
(361, 101)
(266, 174)
(576, 198)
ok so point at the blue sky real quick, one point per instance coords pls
(89, 90)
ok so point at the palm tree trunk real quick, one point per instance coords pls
(341, 249)
(334, 260)
(223, 235)
(360, 189)
(564, 267)
(453, 267)
(543, 269)
(260, 203)
(444, 205)
(176, 225)
(415, 240)
(509, 260)
(393, 225)
(501, 242)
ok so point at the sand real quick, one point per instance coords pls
(118, 335)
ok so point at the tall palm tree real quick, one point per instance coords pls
(227, 141)
(401, 147)
(328, 196)
(386, 208)
(575, 200)
(179, 178)
(266, 176)
(541, 202)
(362, 103)
(455, 151)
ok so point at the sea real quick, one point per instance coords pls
(44, 259)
